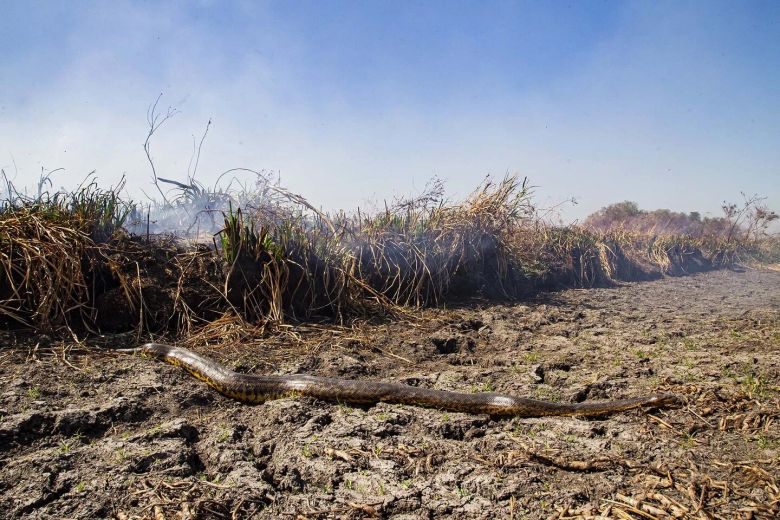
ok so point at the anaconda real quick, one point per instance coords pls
(251, 388)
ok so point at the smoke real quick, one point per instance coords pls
(192, 210)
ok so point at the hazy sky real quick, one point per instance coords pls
(670, 104)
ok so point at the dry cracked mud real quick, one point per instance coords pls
(89, 433)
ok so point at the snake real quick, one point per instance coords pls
(252, 388)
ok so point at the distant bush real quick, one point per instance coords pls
(746, 222)
(628, 216)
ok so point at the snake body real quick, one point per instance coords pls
(258, 388)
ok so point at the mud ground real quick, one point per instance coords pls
(88, 433)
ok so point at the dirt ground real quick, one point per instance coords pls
(88, 433)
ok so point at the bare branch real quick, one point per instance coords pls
(155, 120)
(191, 176)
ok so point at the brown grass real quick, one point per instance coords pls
(283, 260)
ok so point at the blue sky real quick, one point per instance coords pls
(670, 104)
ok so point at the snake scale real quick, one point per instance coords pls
(257, 388)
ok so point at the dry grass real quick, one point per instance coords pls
(276, 258)
(48, 247)
(43, 281)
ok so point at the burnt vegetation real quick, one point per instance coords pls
(89, 261)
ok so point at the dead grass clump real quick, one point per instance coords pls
(41, 254)
(576, 258)
(419, 251)
(765, 250)
(292, 268)
(48, 244)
